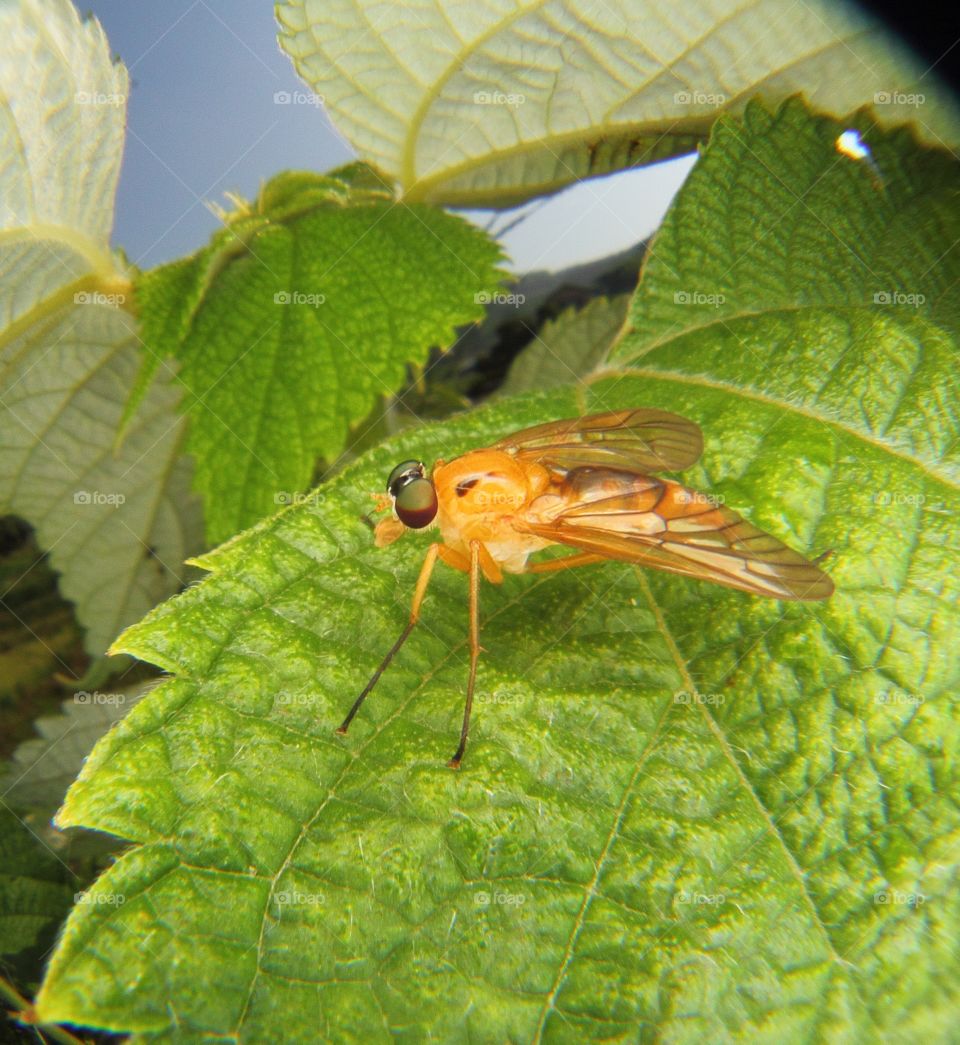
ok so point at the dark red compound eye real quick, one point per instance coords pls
(415, 502)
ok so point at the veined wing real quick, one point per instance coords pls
(666, 526)
(631, 440)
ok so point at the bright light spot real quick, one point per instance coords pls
(851, 144)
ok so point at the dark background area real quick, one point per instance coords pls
(931, 29)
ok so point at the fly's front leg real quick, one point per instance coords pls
(421, 589)
(475, 547)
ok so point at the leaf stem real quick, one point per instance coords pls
(25, 1014)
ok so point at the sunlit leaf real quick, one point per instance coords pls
(489, 103)
(118, 525)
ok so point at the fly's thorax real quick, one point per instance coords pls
(480, 491)
(487, 482)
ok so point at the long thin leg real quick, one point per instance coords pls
(454, 762)
(421, 589)
(566, 563)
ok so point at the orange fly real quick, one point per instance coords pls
(585, 483)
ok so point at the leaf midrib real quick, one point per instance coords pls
(770, 824)
(771, 827)
(96, 255)
(702, 381)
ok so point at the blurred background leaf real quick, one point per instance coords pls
(115, 526)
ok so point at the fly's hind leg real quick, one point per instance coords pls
(481, 560)
(475, 555)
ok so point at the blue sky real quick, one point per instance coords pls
(202, 121)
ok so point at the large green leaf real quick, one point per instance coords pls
(685, 813)
(299, 314)
(117, 526)
(488, 103)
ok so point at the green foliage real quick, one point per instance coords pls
(118, 523)
(34, 889)
(43, 767)
(774, 219)
(299, 313)
(569, 347)
(685, 813)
